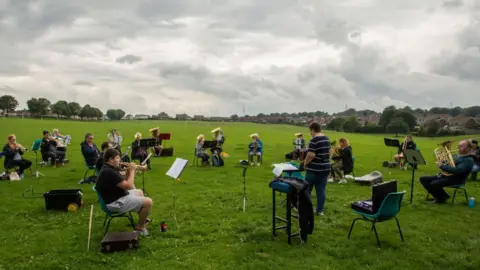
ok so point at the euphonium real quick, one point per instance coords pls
(334, 149)
(140, 168)
(444, 154)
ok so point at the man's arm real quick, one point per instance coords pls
(128, 183)
(464, 166)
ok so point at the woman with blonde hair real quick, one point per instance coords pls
(139, 152)
(13, 152)
(200, 151)
(343, 163)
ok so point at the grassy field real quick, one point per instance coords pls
(213, 231)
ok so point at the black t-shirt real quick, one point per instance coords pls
(107, 184)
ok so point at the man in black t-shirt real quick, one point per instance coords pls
(118, 191)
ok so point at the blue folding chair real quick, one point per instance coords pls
(389, 209)
(110, 215)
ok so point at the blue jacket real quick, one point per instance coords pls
(259, 147)
(463, 167)
(9, 155)
(90, 154)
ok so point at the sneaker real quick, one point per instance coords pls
(342, 181)
(22, 176)
(251, 164)
(330, 180)
(143, 231)
(319, 213)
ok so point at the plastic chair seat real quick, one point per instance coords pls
(281, 187)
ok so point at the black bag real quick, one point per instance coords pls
(119, 241)
(217, 160)
(167, 152)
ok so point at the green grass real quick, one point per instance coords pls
(214, 233)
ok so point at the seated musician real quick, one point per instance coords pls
(139, 152)
(300, 147)
(118, 191)
(105, 146)
(343, 162)
(476, 158)
(217, 135)
(200, 151)
(158, 148)
(49, 149)
(90, 150)
(458, 174)
(114, 140)
(406, 144)
(255, 148)
(13, 153)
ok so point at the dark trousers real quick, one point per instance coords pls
(319, 181)
(205, 157)
(435, 184)
(55, 156)
(22, 165)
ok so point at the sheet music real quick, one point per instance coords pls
(277, 171)
(177, 168)
(284, 167)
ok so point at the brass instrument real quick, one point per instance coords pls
(444, 154)
(19, 147)
(139, 168)
(334, 149)
(255, 146)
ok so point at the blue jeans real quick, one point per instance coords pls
(319, 181)
(475, 170)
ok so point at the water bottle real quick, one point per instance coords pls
(471, 202)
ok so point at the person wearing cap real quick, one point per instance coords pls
(90, 150)
(158, 148)
(139, 152)
(49, 150)
(255, 149)
(200, 151)
(476, 158)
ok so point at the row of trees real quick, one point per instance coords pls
(42, 106)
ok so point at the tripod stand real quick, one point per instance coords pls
(244, 174)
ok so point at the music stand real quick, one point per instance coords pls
(143, 175)
(164, 136)
(414, 157)
(209, 144)
(147, 143)
(391, 143)
(174, 172)
(244, 165)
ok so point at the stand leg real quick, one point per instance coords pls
(273, 212)
(245, 199)
(143, 185)
(413, 181)
(174, 205)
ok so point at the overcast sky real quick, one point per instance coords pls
(214, 57)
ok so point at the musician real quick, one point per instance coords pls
(300, 147)
(158, 148)
(343, 162)
(118, 191)
(90, 150)
(317, 164)
(255, 149)
(100, 161)
(476, 158)
(139, 152)
(463, 166)
(200, 151)
(61, 139)
(49, 149)
(13, 153)
(406, 144)
(115, 140)
(217, 135)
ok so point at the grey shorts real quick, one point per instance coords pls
(127, 203)
(257, 153)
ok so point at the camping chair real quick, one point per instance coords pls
(110, 215)
(388, 209)
(456, 188)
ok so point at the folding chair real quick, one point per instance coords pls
(110, 215)
(389, 209)
(456, 188)
(195, 157)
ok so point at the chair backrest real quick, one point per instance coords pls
(102, 203)
(380, 191)
(390, 205)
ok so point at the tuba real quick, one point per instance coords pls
(444, 154)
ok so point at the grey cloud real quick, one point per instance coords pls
(83, 83)
(464, 65)
(453, 3)
(129, 58)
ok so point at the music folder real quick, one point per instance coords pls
(148, 142)
(392, 142)
(164, 136)
(209, 144)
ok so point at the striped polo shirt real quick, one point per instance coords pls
(320, 145)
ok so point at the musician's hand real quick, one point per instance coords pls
(439, 164)
(132, 166)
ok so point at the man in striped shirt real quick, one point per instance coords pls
(317, 164)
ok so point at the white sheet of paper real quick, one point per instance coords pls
(177, 168)
(277, 171)
(285, 167)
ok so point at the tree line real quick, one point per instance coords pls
(41, 107)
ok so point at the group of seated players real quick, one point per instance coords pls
(216, 148)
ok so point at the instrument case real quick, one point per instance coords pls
(60, 199)
(120, 241)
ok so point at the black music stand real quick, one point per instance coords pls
(244, 165)
(143, 175)
(174, 172)
(414, 157)
(147, 143)
(391, 143)
(209, 144)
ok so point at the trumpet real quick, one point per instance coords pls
(19, 147)
(139, 168)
